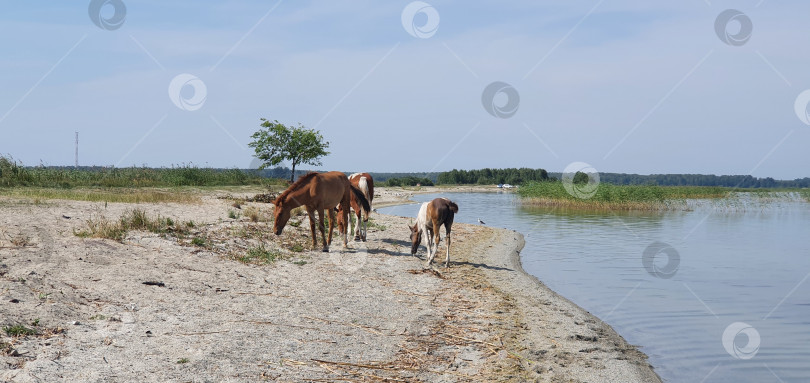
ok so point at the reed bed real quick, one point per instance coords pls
(15, 174)
(618, 197)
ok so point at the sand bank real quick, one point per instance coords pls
(158, 307)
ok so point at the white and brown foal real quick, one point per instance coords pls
(432, 215)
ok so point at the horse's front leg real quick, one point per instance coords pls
(323, 231)
(430, 248)
(332, 223)
(311, 214)
(345, 216)
(437, 239)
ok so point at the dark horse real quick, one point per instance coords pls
(321, 192)
(432, 215)
(365, 184)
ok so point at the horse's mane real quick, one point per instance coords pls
(301, 180)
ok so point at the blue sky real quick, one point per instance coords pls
(624, 86)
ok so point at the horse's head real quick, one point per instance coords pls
(341, 225)
(416, 238)
(280, 217)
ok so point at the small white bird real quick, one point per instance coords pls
(481, 222)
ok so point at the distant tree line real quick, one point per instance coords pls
(382, 177)
(492, 176)
(408, 181)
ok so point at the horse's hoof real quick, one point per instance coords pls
(356, 237)
(325, 250)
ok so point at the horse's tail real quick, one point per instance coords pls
(361, 198)
(453, 206)
(363, 186)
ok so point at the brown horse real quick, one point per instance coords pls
(365, 184)
(321, 192)
(432, 215)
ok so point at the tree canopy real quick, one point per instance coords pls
(275, 143)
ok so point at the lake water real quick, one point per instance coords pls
(711, 295)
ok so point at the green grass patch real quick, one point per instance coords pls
(199, 241)
(19, 330)
(617, 197)
(259, 255)
(297, 248)
(183, 361)
(375, 225)
(179, 183)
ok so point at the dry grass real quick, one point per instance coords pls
(254, 214)
(99, 226)
(124, 195)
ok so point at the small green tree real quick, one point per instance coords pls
(581, 178)
(276, 142)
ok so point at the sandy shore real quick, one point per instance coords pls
(184, 306)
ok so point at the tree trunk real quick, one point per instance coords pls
(292, 173)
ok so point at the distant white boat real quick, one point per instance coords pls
(507, 186)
